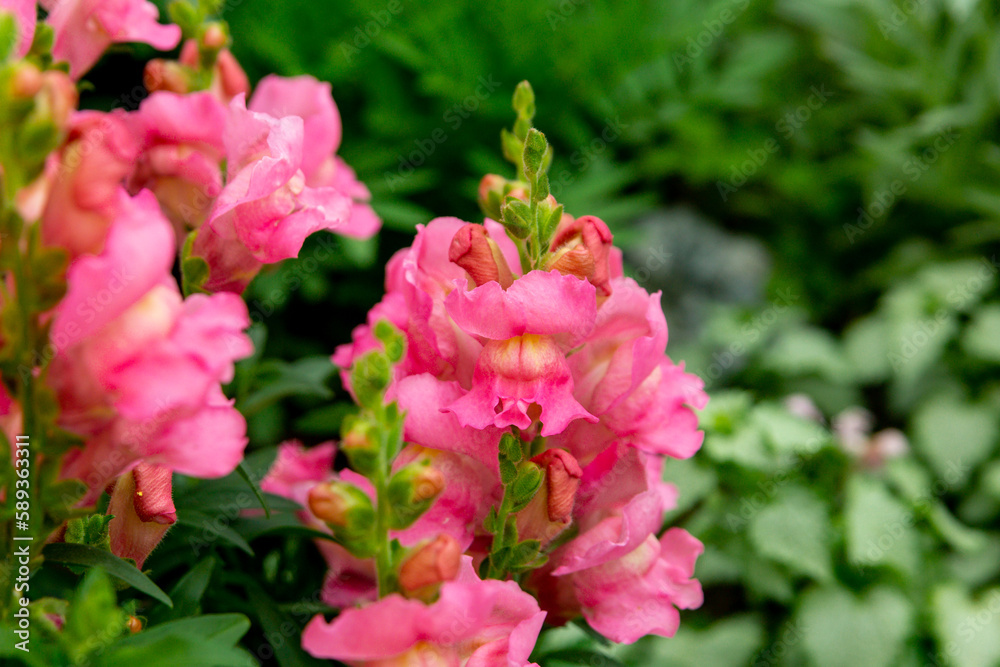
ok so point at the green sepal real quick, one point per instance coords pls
(392, 340)
(194, 269)
(523, 489)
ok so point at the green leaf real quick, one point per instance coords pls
(276, 379)
(982, 336)
(242, 471)
(879, 527)
(729, 642)
(207, 529)
(81, 554)
(580, 656)
(968, 630)
(841, 630)
(279, 629)
(93, 619)
(201, 640)
(90, 530)
(793, 531)
(955, 437)
(787, 432)
(189, 590)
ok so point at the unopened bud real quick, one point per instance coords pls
(133, 624)
(349, 513)
(582, 247)
(232, 80)
(473, 250)
(359, 444)
(339, 503)
(429, 565)
(26, 82)
(411, 492)
(491, 194)
(57, 98)
(214, 37)
(550, 512)
(166, 75)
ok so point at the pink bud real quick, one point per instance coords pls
(143, 511)
(473, 250)
(433, 563)
(214, 37)
(581, 247)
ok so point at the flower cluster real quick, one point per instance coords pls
(538, 408)
(114, 362)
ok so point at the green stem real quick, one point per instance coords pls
(384, 567)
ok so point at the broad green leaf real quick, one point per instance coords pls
(982, 337)
(201, 640)
(879, 528)
(843, 630)
(794, 531)
(967, 630)
(955, 437)
(81, 554)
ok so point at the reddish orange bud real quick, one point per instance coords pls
(27, 81)
(550, 512)
(133, 624)
(143, 511)
(214, 37)
(429, 565)
(582, 247)
(473, 250)
(165, 75)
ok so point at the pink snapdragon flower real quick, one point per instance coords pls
(181, 154)
(82, 182)
(312, 101)
(266, 210)
(473, 623)
(26, 15)
(84, 29)
(137, 368)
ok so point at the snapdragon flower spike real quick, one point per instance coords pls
(84, 29)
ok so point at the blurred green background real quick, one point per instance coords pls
(813, 184)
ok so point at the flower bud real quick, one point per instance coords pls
(339, 503)
(143, 511)
(581, 247)
(349, 513)
(359, 444)
(411, 492)
(166, 75)
(26, 82)
(550, 512)
(133, 624)
(473, 250)
(430, 565)
(214, 37)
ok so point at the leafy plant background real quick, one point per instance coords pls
(772, 286)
